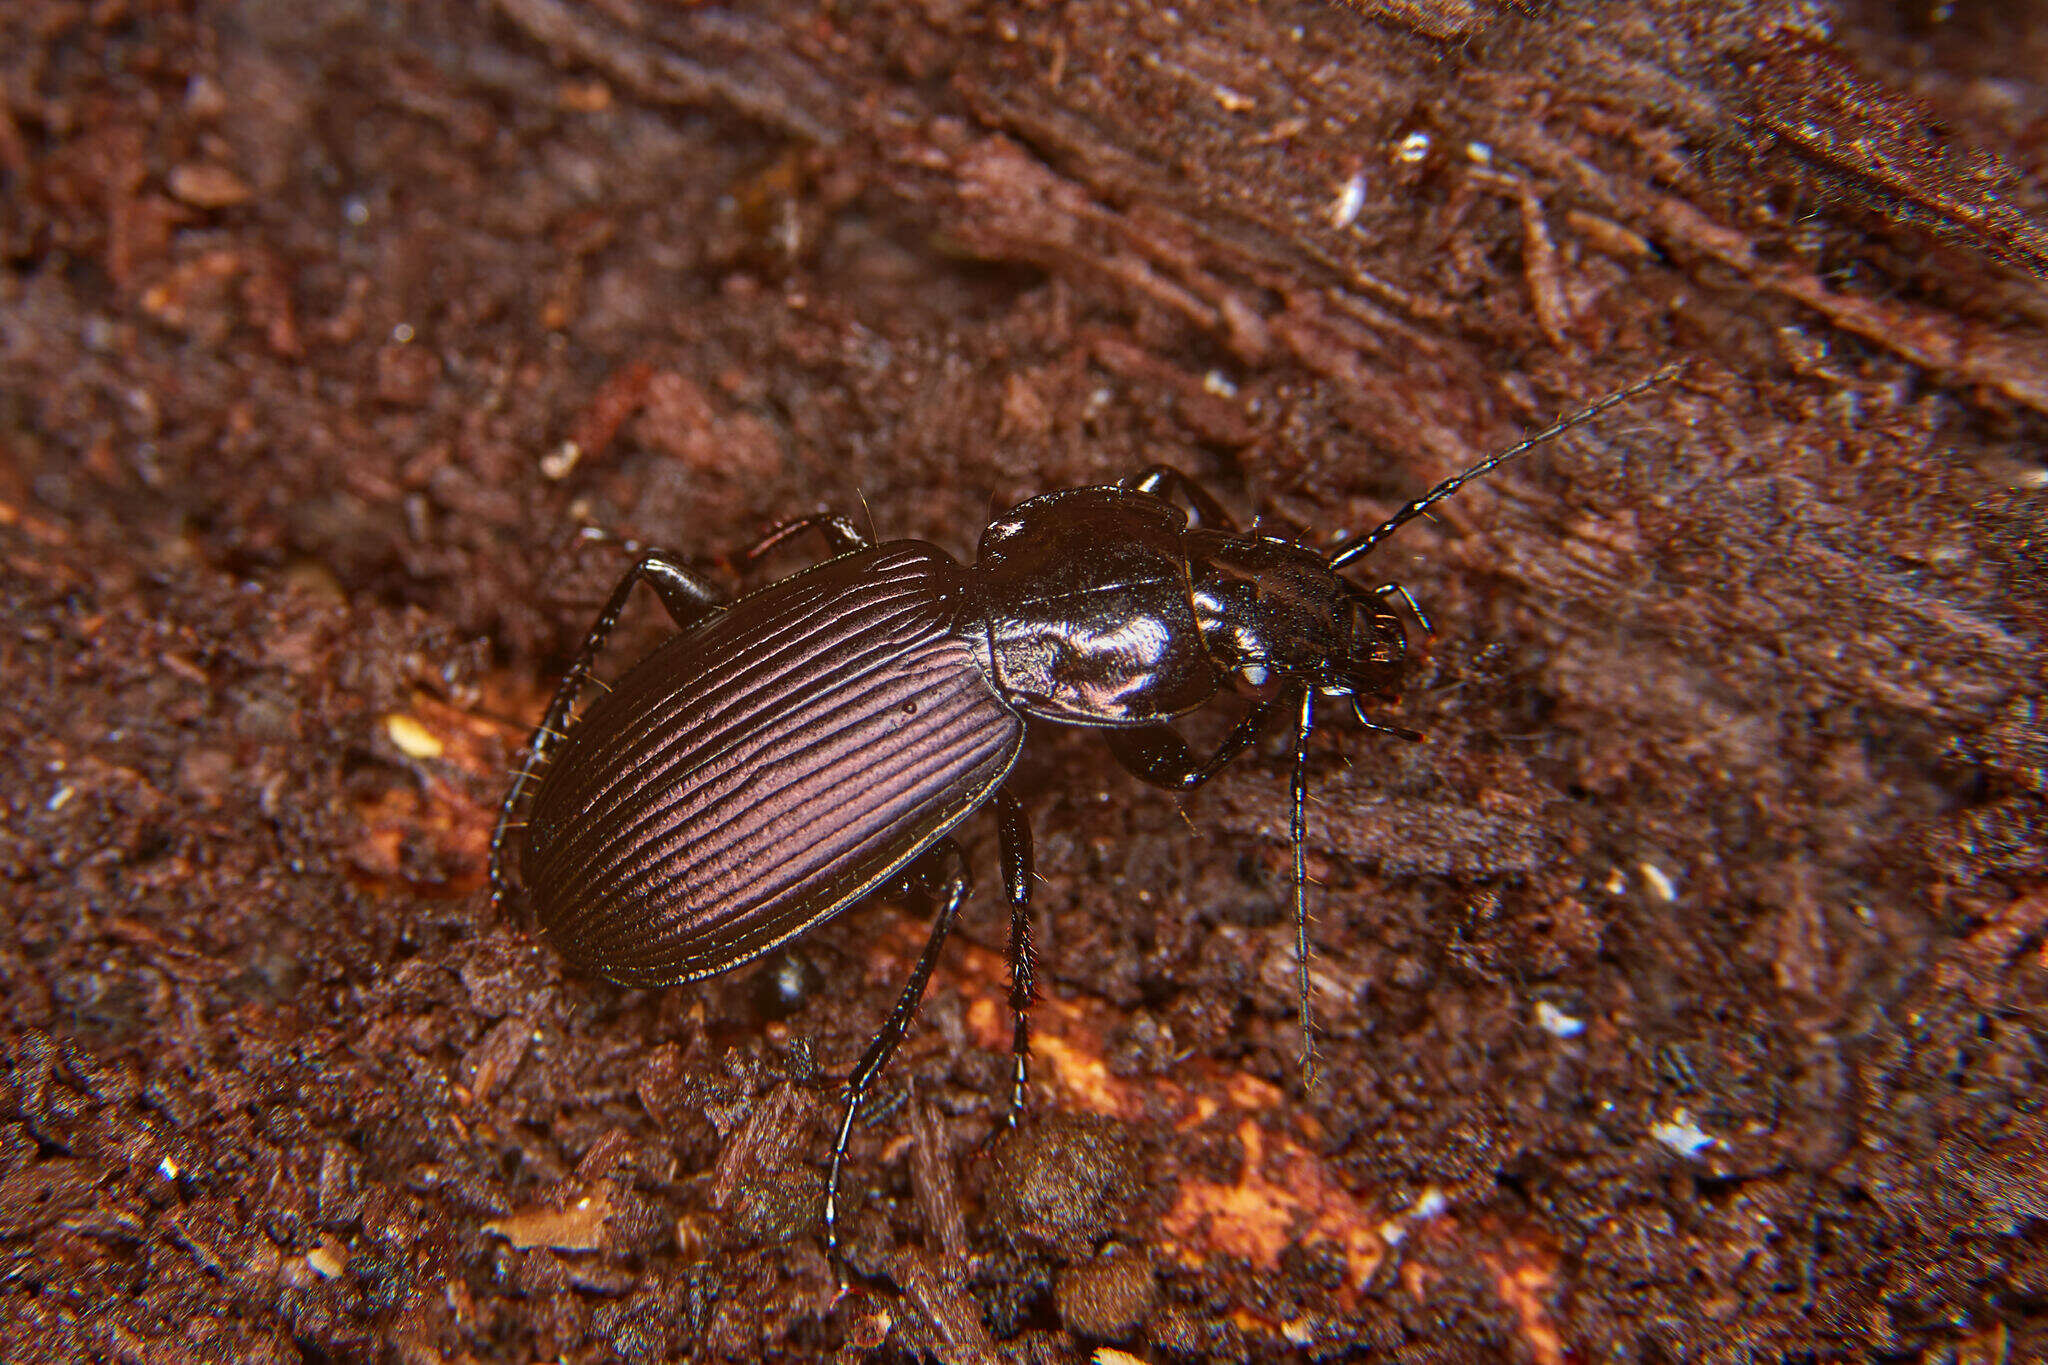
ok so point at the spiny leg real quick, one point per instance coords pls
(941, 875)
(1013, 839)
(1158, 755)
(1163, 481)
(840, 534)
(688, 597)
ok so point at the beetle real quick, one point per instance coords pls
(811, 743)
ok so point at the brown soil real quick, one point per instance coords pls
(1682, 993)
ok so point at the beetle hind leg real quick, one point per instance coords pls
(841, 536)
(941, 875)
(687, 596)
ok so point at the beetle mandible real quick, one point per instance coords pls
(815, 741)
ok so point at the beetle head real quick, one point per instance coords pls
(1272, 613)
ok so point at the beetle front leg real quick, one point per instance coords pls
(687, 596)
(941, 875)
(1013, 838)
(1158, 755)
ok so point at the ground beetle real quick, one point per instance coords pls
(815, 741)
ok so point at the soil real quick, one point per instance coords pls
(1679, 994)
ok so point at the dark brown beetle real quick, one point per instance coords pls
(815, 741)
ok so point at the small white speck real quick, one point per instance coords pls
(1682, 1135)
(60, 798)
(167, 1168)
(1218, 383)
(1617, 882)
(1412, 148)
(403, 333)
(413, 739)
(1556, 1022)
(1350, 199)
(1479, 153)
(354, 211)
(561, 461)
(1432, 1203)
(1660, 882)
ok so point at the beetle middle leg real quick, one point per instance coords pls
(687, 596)
(941, 875)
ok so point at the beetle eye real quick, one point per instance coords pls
(1256, 681)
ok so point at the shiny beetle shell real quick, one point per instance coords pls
(786, 754)
(754, 776)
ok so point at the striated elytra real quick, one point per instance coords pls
(814, 742)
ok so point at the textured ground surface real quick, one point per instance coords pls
(1682, 993)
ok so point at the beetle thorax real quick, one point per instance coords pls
(1083, 597)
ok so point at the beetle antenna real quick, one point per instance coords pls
(1344, 554)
